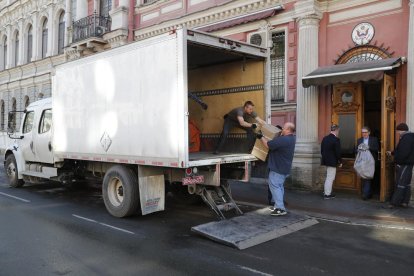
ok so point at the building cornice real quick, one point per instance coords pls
(209, 16)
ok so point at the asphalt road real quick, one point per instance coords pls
(50, 229)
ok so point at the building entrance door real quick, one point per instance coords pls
(347, 108)
(387, 136)
(371, 104)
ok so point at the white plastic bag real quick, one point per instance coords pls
(364, 163)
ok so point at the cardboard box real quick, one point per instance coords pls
(269, 132)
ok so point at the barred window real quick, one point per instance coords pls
(277, 71)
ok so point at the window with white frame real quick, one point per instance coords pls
(277, 71)
(29, 44)
(4, 52)
(61, 33)
(44, 38)
(16, 48)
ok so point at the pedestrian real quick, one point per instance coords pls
(238, 118)
(404, 161)
(281, 150)
(331, 158)
(372, 143)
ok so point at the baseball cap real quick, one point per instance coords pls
(402, 127)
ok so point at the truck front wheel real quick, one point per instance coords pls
(12, 173)
(120, 191)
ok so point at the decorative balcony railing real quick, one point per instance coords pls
(91, 26)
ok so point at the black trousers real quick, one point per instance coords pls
(402, 192)
(227, 126)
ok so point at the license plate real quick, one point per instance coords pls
(189, 180)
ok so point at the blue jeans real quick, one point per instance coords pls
(276, 182)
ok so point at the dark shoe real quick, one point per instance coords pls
(404, 205)
(278, 212)
(331, 196)
(216, 152)
(390, 206)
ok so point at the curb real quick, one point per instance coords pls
(348, 218)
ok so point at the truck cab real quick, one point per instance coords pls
(32, 143)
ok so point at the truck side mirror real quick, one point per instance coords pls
(11, 125)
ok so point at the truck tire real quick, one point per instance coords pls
(12, 173)
(120, 191)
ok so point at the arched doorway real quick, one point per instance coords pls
(360, 103)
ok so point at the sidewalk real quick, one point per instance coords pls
(344, 208)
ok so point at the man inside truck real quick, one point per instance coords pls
(238, 117)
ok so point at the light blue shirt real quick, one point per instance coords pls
(366, 141)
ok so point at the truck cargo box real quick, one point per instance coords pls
(131, 105)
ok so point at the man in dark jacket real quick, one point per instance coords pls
(281, 151)
(372, 143)
(404, 161)
(331, 158)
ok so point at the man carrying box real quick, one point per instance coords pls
(281, 150)
(237, 118)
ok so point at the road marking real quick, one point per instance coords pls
(79, 217)
(103, 224)
(254, 270)
(116, 228)
(15, 197)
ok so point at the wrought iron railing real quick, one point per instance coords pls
(91, 26)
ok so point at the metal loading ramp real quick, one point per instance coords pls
(253, 228)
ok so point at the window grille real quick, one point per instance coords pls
(3, 115)
(277, 63)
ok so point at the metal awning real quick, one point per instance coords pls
(351, 72)
(246, 18)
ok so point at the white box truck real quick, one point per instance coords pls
(122, 116)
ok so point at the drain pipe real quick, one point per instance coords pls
(131, 19)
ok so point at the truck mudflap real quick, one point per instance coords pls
(253, 228)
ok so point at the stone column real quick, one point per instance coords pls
(9, 57)
(22, 43)
(36, 37)
(81, 9)
(68, 21)
(410, 81)
(307, 155)
(51, 26)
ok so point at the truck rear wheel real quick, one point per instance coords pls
(120, 191)
(12, 172)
